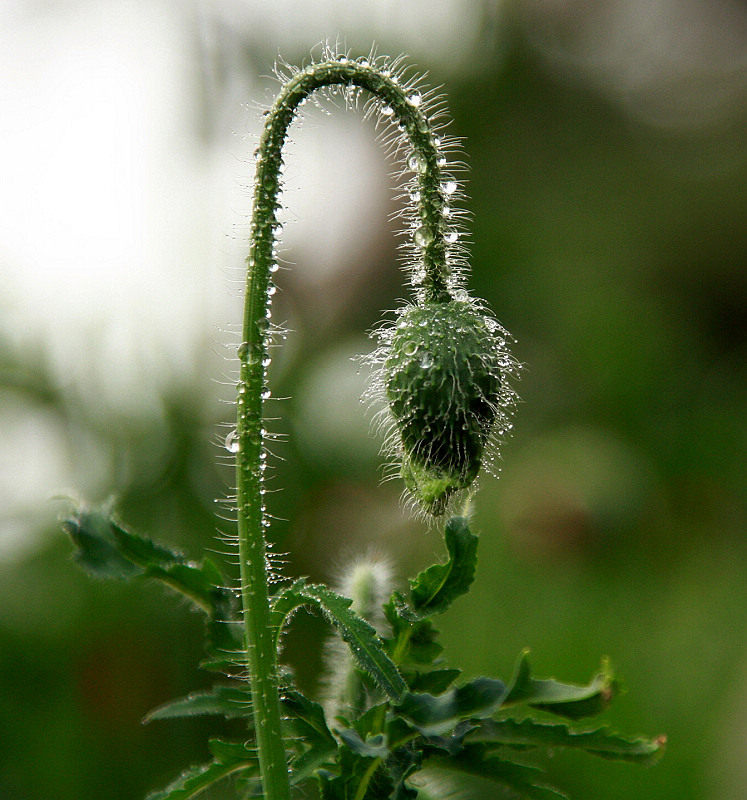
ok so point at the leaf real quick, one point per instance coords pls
(305, 724)
(434, 682)
(305, 718)
(197, 779)
(227, 701)
(436, 588)
(521, 779)
(365, 645)
(421, 649)
(108, 550)
(563, 699)
(97, 547)
(230, 752)
(434, 715)
(600, 741)
(372, 747)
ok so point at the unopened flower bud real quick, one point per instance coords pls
(442, 376)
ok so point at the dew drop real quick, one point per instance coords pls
(274, 267)
(415, 99)
(426, 361)
(243, 350)
(450, 235)
(423, 237)
(449, 187)
(415, 195)
(441, 161)
(416, 163)
(387, 111)
(265, 393)
(410, 348)
(232, 442)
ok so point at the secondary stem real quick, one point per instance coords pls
(431, 281)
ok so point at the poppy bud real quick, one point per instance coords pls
(443, 379)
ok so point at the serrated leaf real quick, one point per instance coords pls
(562, 699)
(436, 588)
(230, 752)
(197, 779)
(108, 550)
(306, 716)
(521, 779)
(97, 549)
(372, 747)
(435, 715)
(227, 701)
(436, 681)
(421, 649)
(364, 643)
(601, 741)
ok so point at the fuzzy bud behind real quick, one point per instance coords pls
(443, 381)
(368, 583)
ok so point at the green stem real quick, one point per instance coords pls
(431, 280)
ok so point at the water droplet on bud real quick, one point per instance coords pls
(415, 99)
(449, 187)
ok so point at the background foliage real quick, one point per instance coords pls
(609, 238)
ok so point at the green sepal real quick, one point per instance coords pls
(436, 588)
(563, 699)
(365, 645)
(603, 742)
(228, 701)
(521, 780)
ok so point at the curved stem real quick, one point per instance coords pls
(431, 280)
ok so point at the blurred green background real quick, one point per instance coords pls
(607, 186)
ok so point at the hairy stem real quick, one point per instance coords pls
(431, 280)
